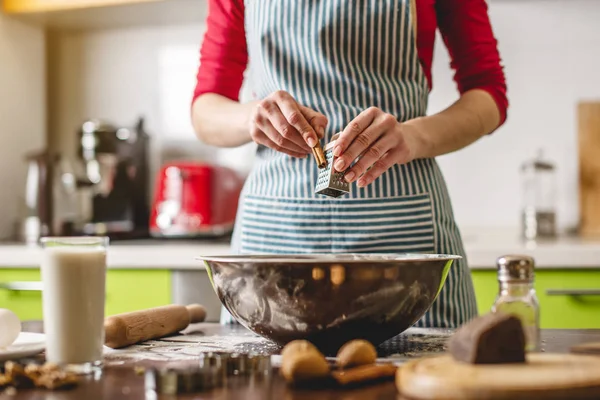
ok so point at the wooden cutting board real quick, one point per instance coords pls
(588, 115)
(544, 376)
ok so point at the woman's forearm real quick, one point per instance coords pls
(474, 115)
(219, 121)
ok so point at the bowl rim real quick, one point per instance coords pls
(329, 258)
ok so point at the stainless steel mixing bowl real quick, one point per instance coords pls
(328, 299)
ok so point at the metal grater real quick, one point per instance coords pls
(329, 182)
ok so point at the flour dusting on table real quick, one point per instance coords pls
(189, 347)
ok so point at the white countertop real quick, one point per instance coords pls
(483, 247)
(150, 254)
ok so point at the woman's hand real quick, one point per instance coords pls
(280, 123)
(378, 140)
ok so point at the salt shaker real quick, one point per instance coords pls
(517, 295)
(538, 215)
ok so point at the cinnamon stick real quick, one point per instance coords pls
(319, 156)
(364, 373)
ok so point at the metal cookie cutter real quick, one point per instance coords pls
(237, 364)
(260, 364)
(212, 371)
(172, 381)
(329, 182)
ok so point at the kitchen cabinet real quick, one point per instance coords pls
(569, 298)
(101, 14)
(126, 290)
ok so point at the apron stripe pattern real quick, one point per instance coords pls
(340, 58)
(405, 224)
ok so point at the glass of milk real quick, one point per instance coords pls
(73, 282)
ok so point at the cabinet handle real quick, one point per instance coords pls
(573, 292)
(21, 286)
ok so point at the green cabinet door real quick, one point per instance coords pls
(126, 290)
(558, 290)
(27, 304)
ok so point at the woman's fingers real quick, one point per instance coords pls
(295, 119)
(263, 132)
(377, 169)
(317, 120)
(275, 114)
(353, 130)
(375, 152)
(363, 142)
(286, 124)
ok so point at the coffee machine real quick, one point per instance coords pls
(114, 162)
(102, 191)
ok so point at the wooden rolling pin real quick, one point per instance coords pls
(134, 327)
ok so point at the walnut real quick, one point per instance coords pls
(16, 374)
(48, 376)
(33, 371)
(4, 380)
(56, 380)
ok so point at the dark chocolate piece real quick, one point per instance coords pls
(493, 338)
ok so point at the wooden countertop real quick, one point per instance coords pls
(119, 380)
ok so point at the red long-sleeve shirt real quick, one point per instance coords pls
(464, 26)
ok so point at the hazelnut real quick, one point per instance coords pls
(304, 366)
(355, 353)
(297, 346)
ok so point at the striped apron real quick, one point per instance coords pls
(341, 57)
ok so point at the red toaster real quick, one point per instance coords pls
(194, 199)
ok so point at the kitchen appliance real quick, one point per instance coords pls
(588, 113)
(328, 299)
(194, 199)
(538, 217)
(50, 203)
(37, 221)
(114, 161)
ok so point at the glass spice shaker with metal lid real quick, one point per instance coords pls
(538, 218)
(517, 295)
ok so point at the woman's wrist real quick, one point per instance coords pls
(416, 138)
(474, 115)
(222, 122)
(247, 109)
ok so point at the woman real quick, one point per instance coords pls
(362, 68)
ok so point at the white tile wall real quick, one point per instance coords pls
(22, 112)
(549, 47)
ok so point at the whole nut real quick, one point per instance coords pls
(304, 366)
(355, 353)
(297, 346)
